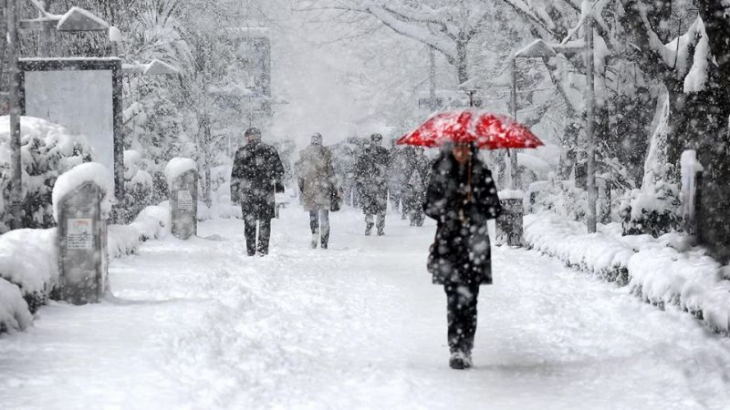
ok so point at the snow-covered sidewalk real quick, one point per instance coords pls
(199, 325)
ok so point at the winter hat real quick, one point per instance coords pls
(317, 139)
(253, 132)
(377, 138)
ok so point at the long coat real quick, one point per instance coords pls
(461, 252)
(316, 176)
(371, 177)
(256, 171)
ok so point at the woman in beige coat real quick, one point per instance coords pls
(318, 187)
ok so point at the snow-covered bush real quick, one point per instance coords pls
(28, 260)
(14, 312)
(561, 197)
(138, 184)
(149, 224)
(48, 150)
(653, 209)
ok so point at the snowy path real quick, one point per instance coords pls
(198, 325)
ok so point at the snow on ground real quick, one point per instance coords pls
(198, 325)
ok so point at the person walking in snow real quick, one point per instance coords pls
(371, 176)
(257, 174)
(318, 188)
(461, 197)
(417, 174)
(397, 169)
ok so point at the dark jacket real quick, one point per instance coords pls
(461, 252)
(371, 177)
(256, 171)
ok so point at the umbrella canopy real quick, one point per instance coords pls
(491, 131)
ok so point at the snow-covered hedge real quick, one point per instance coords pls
(653, 269)
(48, 150)
(565, 240)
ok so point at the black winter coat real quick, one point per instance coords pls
(461, 251)
(256, 171)
(371, 177)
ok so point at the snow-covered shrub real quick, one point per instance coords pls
(14, 312)
(28, 260)
(561, 197)
(138, 184)
(48, 150)
(149, 224)
(653, 209)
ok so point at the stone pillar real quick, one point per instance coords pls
(82, 246)
(509, 224)
(184, 205)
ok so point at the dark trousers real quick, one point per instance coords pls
(319, 221)
(462, 316)
(264, 234)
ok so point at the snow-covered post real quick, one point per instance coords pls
(182, 181)
(81, 206)
(509, 224)
(690, 195)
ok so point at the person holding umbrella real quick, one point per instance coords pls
(461, 196)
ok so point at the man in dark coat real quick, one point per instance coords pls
(371, 176)
(461, 197)
(257, 174)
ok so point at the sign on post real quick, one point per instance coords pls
(184, 205)
(85, 96)
(81, 240)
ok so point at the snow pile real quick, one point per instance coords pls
(149, 224)
(511, 194)
(47, 150)
(28, 260)
(14, 313)
(663, 271)
(178, 166)
(567, 241)
(77, 177)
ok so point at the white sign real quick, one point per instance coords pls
(184, 200)
(80, 100)
(80, 234)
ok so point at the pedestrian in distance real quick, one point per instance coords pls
(461, 197)
(256, 177)
(417, 174)
(318, 188)
(371, 175)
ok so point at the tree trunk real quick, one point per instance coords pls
(462, 69)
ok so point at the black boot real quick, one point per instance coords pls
(458, 361)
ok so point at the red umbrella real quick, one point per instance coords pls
(491, 131)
